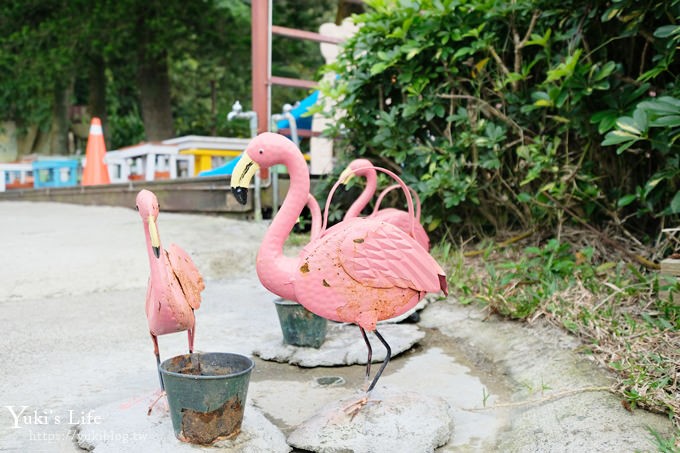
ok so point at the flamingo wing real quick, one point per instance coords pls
(187, 274)
(401, 220)
(381, 255)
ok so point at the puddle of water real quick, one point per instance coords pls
(434, 372)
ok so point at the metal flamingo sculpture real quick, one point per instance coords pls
(360, 271)
(175, 285)
(397, 217)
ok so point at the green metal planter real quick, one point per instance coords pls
(206, 395)
(300, 326)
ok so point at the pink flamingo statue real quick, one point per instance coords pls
(315, 212)
(175, 285)
(397, 217)
(361, 271)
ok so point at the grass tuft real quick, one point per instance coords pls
(612, 305)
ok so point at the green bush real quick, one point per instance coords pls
(501, 114)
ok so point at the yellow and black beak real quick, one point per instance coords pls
(346, 176)
(241, 176)
(153, 234)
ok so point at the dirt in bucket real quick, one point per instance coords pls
(207, 427)
(185, 365)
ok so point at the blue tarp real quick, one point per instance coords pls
(301, 109)
(225, 169)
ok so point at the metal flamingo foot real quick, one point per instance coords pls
(353, 409)
(158, 398)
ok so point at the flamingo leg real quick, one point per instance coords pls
(160, 376)
(190, 333)
(158, 360)
(384, 364)
(370, 352)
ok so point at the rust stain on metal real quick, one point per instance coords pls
(207, 427)
(304, 268)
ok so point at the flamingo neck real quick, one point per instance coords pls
(365, 196)
(274, 269)
(155, 264)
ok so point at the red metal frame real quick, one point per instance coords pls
(262, 80)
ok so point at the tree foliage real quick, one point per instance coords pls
(498, 113)
(63, 46)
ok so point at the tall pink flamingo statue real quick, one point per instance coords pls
(397, 217)
(360, 271)
(175, 285)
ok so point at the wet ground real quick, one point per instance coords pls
(72, 288)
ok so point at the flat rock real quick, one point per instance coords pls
(343, 346)
(390, 421)
(125, 427)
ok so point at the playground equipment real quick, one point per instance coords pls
(262, 30)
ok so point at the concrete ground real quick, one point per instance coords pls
(75, 344)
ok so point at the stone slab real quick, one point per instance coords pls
(390, 421)
(126, 427)
(343, 346)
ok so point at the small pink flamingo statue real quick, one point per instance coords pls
(175, 285)
(362, 270)
(397, 217)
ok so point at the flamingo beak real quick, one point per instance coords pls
(153, 234)
(241, 176)
(346, 175)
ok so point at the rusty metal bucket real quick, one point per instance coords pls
(206, 395)
(300, 326)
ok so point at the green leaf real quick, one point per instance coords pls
(605, 71)
(523, 197)
(626, 200)
(662, 105)
(543, 103)
(628, 124)
(616, 137)
(378, 68)
(640, 119)
(666, 31)
(667, 121)
(675, 203)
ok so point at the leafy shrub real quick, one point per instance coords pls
(495, 112)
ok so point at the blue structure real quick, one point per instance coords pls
(48, 173)
(301, 122)
(225, 169)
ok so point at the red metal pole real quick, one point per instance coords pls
(260, 62)
(303, 34)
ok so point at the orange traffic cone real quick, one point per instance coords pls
(95, 170)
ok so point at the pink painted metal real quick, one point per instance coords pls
(315, 212)
(361, 271)
(260, 70)
(175, 284)
(304, 34)
(293, 83)
(396, 217)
